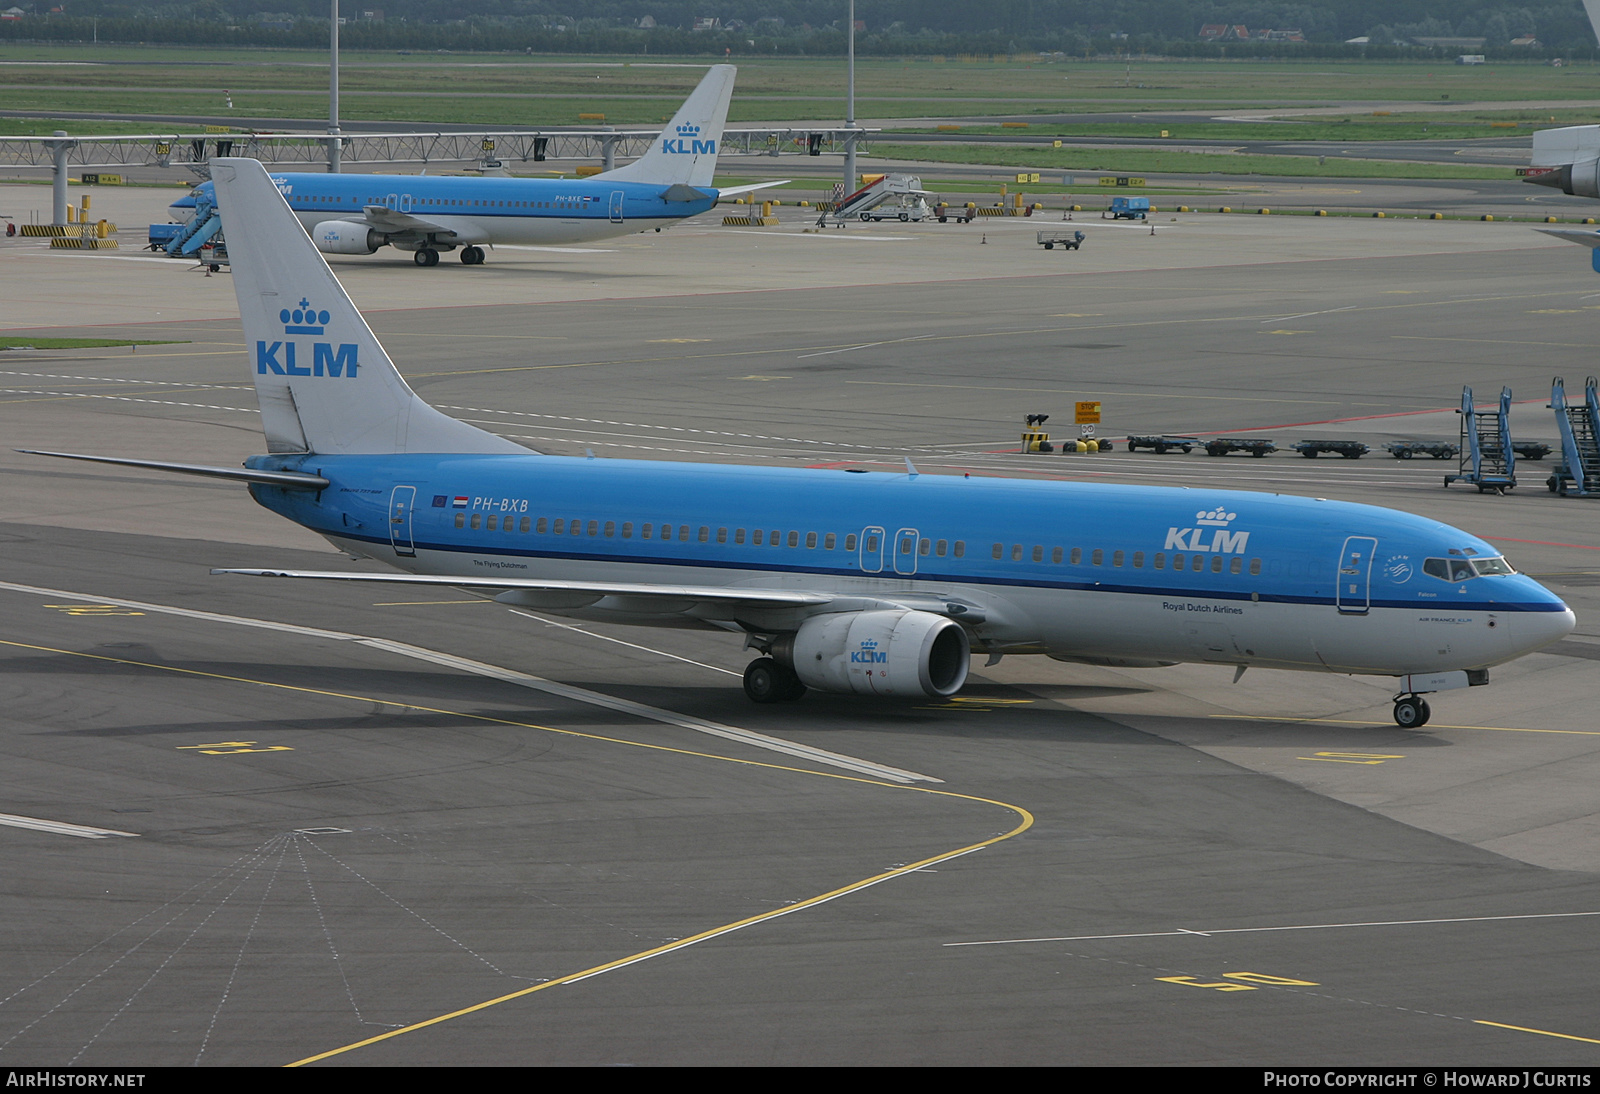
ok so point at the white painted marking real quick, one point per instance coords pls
(521, 679)
(60, 828)
(178, 265)
(1289, 927)
(620, 642)
(1306, 314)
(558, 250)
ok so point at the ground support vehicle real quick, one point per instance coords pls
(1255, 446)
(1161, 445)
(1050, 240)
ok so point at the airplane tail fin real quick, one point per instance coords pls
(323, 381)
(686, 150)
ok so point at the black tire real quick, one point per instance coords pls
(1187, 449)
(1410, 712)
(1404, 454)
(1105, 446)
(1309, 453)
(764, 681)
(866, 216)
(1258, 452)
(1161, 450)
(1350, 454)
(1427, 711)
(904, 217)
(1049, 246)
(426, 256)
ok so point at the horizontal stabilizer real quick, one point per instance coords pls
(293, 479)
(735, 191)
(679, 191)
(1574, 235)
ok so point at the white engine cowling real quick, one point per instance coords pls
(346, 237)
(890, 652)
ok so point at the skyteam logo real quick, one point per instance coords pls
(1215, 521)
(326, 360)
(688, 143)
(869, 653)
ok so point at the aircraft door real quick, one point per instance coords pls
(616, 206)
(394, 201)
(401, 502)
(405, 203)
(905, 551)
(1353, 594)
(871, 550)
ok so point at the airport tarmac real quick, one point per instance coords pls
(265, 822)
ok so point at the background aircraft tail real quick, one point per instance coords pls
(323, 382)
(686, 150)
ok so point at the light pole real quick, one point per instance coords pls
(850, 109)
(334, 142)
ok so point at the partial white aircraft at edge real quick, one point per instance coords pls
(356, 214)
(869, 583)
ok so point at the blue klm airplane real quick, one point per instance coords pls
(353, 214)
(867, 583)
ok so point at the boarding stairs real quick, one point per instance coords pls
(1580, 440)
(874, 194)
(205, 224)
(1487, 460)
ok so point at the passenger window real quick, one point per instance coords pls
(1197, 563)
(1160, 561)
(831, 540)
(794, 539)
(738, 535)
(543, 526)
(683, 533)
(1016, 552)
(627, 529)
(924, 547)
(1038, 554)
(1056, 555)
(1099, 557)
(850, 542)
(1138, 560)
(1177, 561)
(961, 548)
(1077, 556)
(644, 530)
(594, 527)
(611, 528)
(1255, 567)
(1216, 564)
(705, 534)
(722, 535)
(494, 522)
(561, 526)
(773, 538)
(811, 541)
(999, 550)
(1236, 566)
(1116, 559)
(461, 520)
(941, 548)
(757, 537)
(477, 521)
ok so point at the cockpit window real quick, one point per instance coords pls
(1452, 569)
(1488, 566)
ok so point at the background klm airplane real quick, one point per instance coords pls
(871, 583)
(352, 214)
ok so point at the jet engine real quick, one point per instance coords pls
(1581, 179)
(345, 237)
(889, 652)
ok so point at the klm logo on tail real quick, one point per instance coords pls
(326, 359)
(687, 144)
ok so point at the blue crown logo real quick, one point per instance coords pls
(304, 319)
(690, 130)
(869, 644)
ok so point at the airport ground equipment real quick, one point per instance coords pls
(1532, 450)
(1579, 425)
(910, 207)
(1127, 209)
(1034, 438)
(1350, 450)
(1255, 446)
(1050, 240)
(1487, 458)
(961, 214)
(874, 194)
(196, 233)
(1161, 445)
(1405, 450)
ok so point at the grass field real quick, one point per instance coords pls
(502, 89)
(11, 341)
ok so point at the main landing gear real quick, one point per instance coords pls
(426, 256)
(767, 681)
(472, 256)
(1410, 712)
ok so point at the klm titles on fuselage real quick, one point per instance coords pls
(326, 358)
(1222, 540)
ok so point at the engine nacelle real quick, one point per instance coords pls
(346, 237)
(890, 652)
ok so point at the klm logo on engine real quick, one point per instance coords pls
(281, 358)
(1211, 535)
(687, 144)
(868, 654)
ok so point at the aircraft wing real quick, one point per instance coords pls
(1587, 238)
(724, 601)
(393, 222)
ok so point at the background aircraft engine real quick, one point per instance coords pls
(345, 237)
(892, 652)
